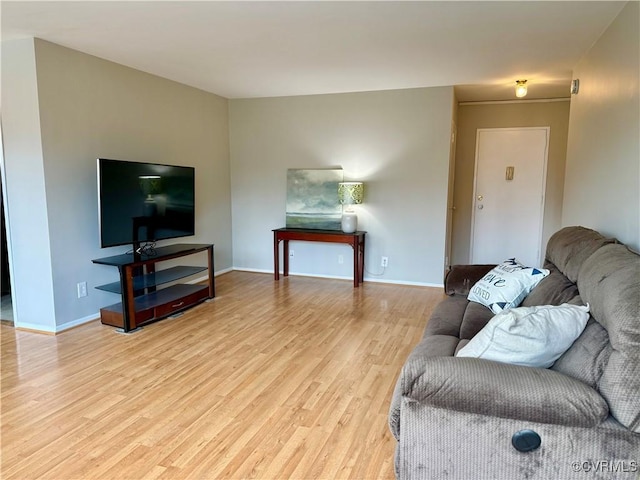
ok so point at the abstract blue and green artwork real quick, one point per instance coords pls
(312, 198)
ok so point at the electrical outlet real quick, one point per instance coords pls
(384, 262)
(82, 289)
(340, 259)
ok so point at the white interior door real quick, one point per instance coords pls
(508, 200)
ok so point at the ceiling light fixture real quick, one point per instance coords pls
(521, 88)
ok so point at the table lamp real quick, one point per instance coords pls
(350, 193)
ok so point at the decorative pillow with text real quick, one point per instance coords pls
(506, 285)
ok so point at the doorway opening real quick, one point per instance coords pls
(6, 303)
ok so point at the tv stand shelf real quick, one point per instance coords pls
(151, 280)
(142, 302)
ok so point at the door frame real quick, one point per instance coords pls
(547, 130)
(7, 224)
(448, 249)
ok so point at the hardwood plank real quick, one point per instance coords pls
(288, 379)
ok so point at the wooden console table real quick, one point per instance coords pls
(284, 235)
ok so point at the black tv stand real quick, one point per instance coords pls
(142, 302)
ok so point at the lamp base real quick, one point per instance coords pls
(349, 222)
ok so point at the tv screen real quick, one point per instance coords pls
(144, 202)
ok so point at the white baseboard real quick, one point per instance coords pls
(405, 282)
(204, 278)
(34, 327)
(341, 277)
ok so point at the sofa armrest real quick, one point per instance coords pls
(503, 390)
(460, 278)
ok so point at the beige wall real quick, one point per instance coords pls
(23, 183)
(472, 117)
(602, 189)
(397, 142)
(92, 108)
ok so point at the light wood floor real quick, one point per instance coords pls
(270, 380)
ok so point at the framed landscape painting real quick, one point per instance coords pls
(312, 198)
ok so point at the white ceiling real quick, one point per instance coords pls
(247, 49)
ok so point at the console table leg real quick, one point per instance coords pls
(361, 259)
(212, 284)
(356, 262)
(276, 256)
(285, 260)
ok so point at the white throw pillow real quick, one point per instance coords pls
(531, 336)
(506, 285)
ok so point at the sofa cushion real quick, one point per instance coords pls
(569, 247)
(475, 318)
(458, 317)
(506, 285)
(610, 281)
(461, 344)
(529, 336)
(435, 346)
(586, 358)
(447, 317)
(554, 289)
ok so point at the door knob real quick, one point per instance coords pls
(480, 198)
(480, 207)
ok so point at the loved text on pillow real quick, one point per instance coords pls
(506, 285)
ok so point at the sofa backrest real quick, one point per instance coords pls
(607, 354)
(609, 281)
(569, 247)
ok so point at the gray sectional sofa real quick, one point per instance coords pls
(455, 417)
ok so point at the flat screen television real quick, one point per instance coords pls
(144, 202)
